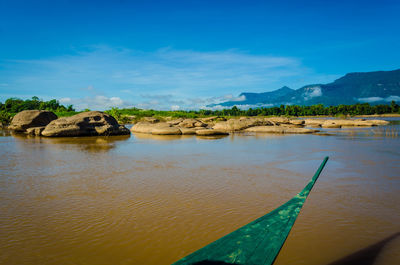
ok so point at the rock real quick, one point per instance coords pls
(345, 123)
(291, 125)
(190, 123)
(330, 125)
(200, 124)
(208, 119)
(161, 130)
(313, 122)
(189, 131)
(210, 132)
(279, 129)
(146, 127)
(338, 123)
(278, 120)
(35, 130)
(379, 122)
(175, 122)
(297, 122)
(90, 123)
(31, 118)
(150, 119)
(239, 124)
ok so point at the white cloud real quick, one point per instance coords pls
(376, 99)
(236, 99)
(126, 74)
(240, 106)
(96, 103)
(370, 99)
(390, 98)
(175, 107)
(312, 92)
(65, 100)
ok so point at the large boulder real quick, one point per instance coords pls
(90, 123)
(31, 118)
(161, 128)
(147, 127)
(279, 129)
(168, 130)
(239, 124)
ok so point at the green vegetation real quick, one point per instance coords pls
(14, 105)
(294, 110)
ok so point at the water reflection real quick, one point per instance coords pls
(4, 132)
(147, 136)
(88, 144)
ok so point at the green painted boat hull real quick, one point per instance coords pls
(259, 242)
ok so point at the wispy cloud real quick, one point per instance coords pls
(95, 103)
(165, 78)
(377, 99)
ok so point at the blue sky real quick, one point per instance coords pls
(187, 54)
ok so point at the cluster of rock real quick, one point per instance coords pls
(214, 126)
(46, 123)
(177, 127)
(96, 123)
(339, 123)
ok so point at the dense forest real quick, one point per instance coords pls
(14, 105)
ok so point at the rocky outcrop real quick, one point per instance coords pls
(175, 122)
(279, 120)
(151, 119)
(279, 129)
(90, 123)
(145, 127)
(210, 132)
(313, 122)
(188, 131)
(191, 123)
(31, 118)
(167, 130)
(161, 128)
(378, 122)
(346, 123)
(239, 124)
(338, 123)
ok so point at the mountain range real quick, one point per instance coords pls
(379, 87)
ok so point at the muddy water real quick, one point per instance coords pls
(152, 200)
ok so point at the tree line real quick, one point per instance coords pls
(14, 105)
(319, 109)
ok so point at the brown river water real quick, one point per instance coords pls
(152, 200)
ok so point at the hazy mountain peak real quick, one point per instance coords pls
(357, 87)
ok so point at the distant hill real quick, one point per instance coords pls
(380, 87)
